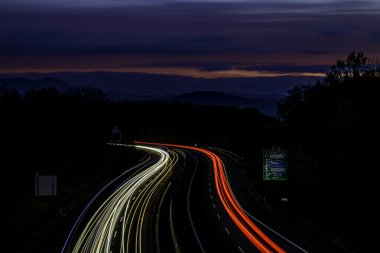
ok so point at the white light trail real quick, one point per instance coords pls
(119, 222)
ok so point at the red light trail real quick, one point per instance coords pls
(257, 237)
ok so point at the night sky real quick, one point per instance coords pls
(205, 39)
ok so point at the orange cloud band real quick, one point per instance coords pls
(177, 71)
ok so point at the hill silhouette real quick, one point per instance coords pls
(24, 84)
(265, 105)
(327, 128)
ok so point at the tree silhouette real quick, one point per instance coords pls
(8, 96)
(328, 126)
(347, 82)
(89, 94)
(354, 67)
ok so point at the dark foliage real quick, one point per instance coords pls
(64, 134)
(330, 130)
(326, 127)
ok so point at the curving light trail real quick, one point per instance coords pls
(119, 223)
(260, 240)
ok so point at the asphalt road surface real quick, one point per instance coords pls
(177, 199)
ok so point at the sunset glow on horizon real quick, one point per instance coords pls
(176, 71)
(208, 39)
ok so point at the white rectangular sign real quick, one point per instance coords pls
(45, 185)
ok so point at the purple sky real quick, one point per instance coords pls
(186, 38)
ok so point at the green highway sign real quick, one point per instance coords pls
(275, 164)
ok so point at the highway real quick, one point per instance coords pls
(122, 222)
(216, 219)
(178, 199)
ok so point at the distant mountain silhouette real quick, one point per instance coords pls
(265, 103)
(161, 85)
(24, 84)
(273, 96)
(119, 96)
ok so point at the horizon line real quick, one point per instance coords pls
(172, 71)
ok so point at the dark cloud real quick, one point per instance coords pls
(271, 6)
(141, 27)
(375, 36)
(291, 68)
